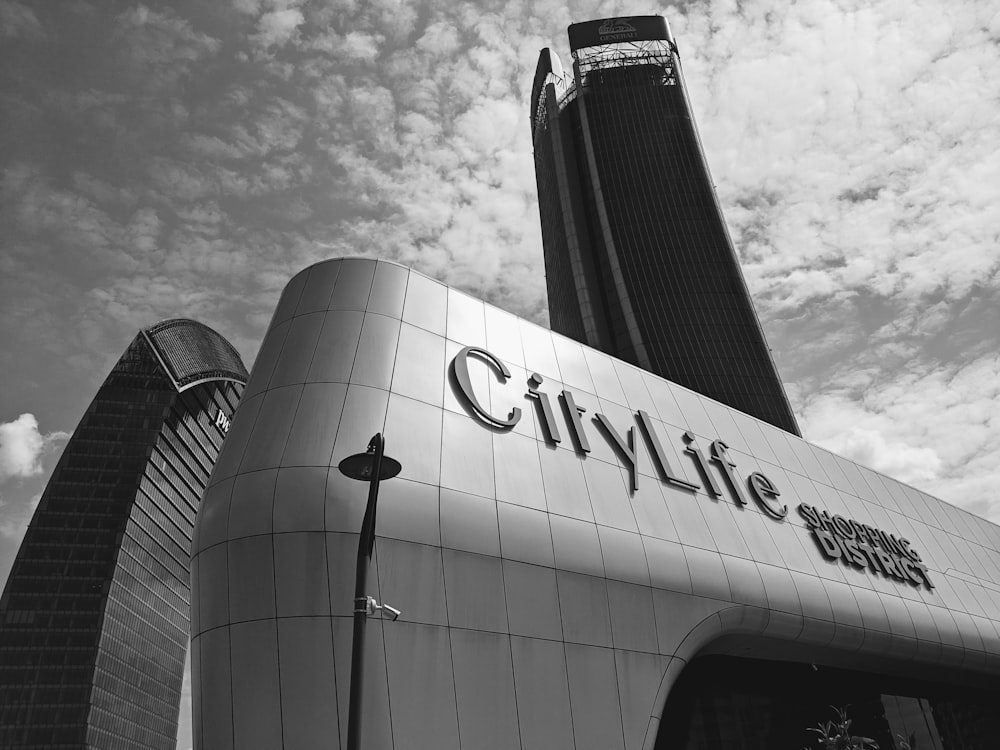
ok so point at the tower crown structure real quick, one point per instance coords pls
(638, 260)
(95, 615)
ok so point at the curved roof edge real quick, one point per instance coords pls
(192, 353)
(548, 62)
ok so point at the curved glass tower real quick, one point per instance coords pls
(638, 259)
(94, 619)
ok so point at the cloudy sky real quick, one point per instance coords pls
(186, 158)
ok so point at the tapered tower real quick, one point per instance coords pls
(638, 259)
(94, 619)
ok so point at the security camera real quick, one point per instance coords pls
(372, 606)
(393, 612)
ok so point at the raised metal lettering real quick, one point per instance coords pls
(766, 494)
(661, 455)
(720, 454)
(575, 423)
(699, 458)
(827, 543)
(627, 448)
(548, 418)
(460, 367)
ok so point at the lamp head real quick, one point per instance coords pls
(361, 465)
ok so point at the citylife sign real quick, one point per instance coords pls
(761, 488)
(855, 544)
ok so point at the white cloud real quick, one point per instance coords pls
(439, 39)
(67, 223)
(933, 426)
(853, 147)
(897, 459)
(22, 447)
(360, 47)
(822, 104)
(18, 20)
(278, 27)
(162, 46)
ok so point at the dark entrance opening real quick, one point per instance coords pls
(730, 703)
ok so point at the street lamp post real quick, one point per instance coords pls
(372, 466)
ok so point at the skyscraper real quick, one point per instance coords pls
(638, 259)
(94, 618)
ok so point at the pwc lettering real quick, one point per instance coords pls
(761, 489)
(221, 420)
(864, 546)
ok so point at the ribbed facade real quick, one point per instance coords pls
(95, 616)
(638, 259)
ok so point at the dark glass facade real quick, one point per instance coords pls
(726, 703)
(94, 619)
(638, 259)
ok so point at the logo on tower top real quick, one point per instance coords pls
(616, 30)
(615, 26)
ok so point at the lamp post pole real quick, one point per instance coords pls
(372, 466)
